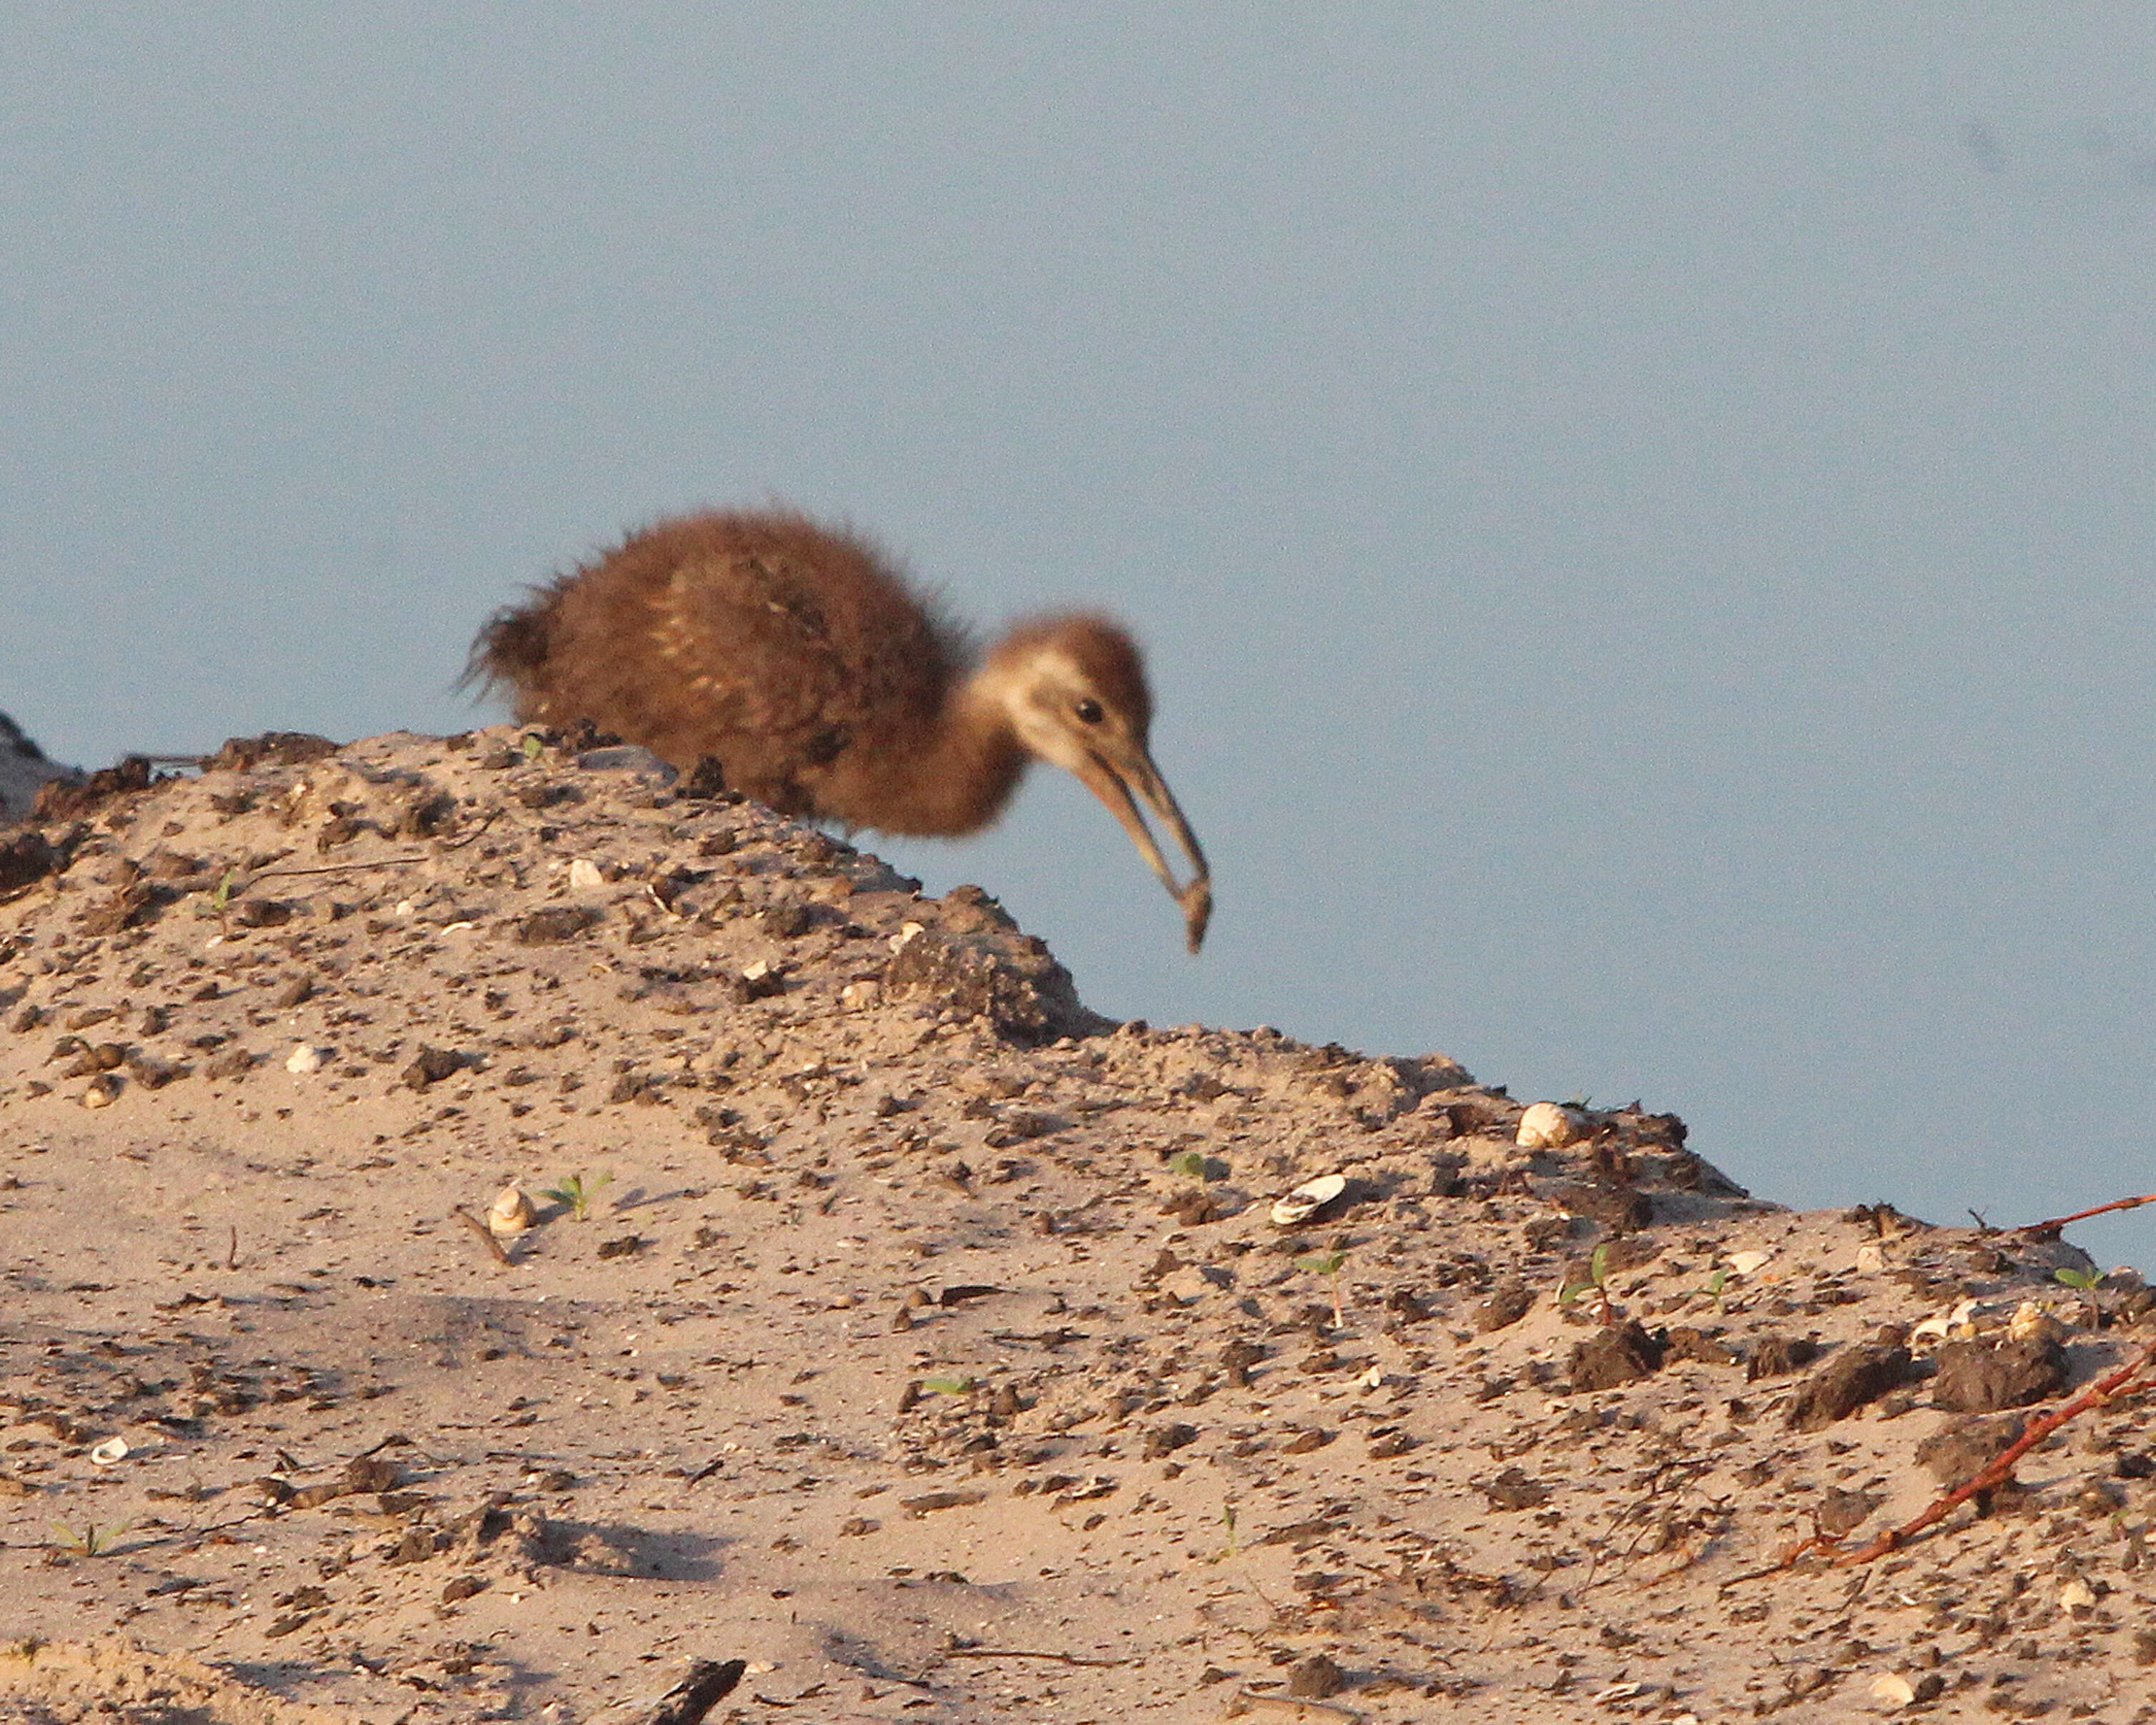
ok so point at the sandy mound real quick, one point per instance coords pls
(117, 1678)
(892, 1322)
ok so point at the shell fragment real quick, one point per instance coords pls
(1307, 1199)
(511, 1213)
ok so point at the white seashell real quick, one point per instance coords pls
(1307, 1199)
(304, 1060)
(1960, 1322)
(2075, 1594)
(584, 875)
(860, 994)
(511, 1213)
(1870, 1260)
(906, 932)
(1894, 1689)
(1745, 1263)
(112, 1449)
(1545, 1126)
(2030, 1322)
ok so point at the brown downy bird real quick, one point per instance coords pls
(797, 658)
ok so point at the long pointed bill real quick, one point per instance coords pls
(1112, 782)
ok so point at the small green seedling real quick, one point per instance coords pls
(1717, 1284)
(89, 1540)
(1328, 1264)
(1189, 1163)
(949, 1383)
(533, 746)
(1228, 1520)
(220, 903)
(2084, 1282)
(578, 1192)
(1597, 1283)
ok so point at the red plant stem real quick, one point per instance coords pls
(2000, 1468)
(2058, 1222)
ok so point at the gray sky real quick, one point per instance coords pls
(1641, 518)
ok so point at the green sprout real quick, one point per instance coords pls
(1597, 1283)
(219, 903)
(533, 746)
(1196, 1165)
(949, 1383)
(577, 1193)
(89, 1540)
(1328, 1264)
(2084, 1282)
(1228, 1520)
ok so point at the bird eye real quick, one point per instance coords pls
(1088, 711)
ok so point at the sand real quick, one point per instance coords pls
(891, 1323)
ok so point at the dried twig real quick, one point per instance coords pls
(381, 862)
(2000, 1468)
(1815, 1541)
(1688, 1556)
(1026, 1653)
(485, 1233)
(1251, 1701)
(1992, 1474)
(2056, 1222)
(708, 1683)
(245, 882)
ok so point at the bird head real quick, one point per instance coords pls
(1074, 690)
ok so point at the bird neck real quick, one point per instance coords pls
(973, 762)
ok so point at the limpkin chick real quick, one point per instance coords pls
(797, 658)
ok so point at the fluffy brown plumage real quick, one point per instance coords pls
(797, 658)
